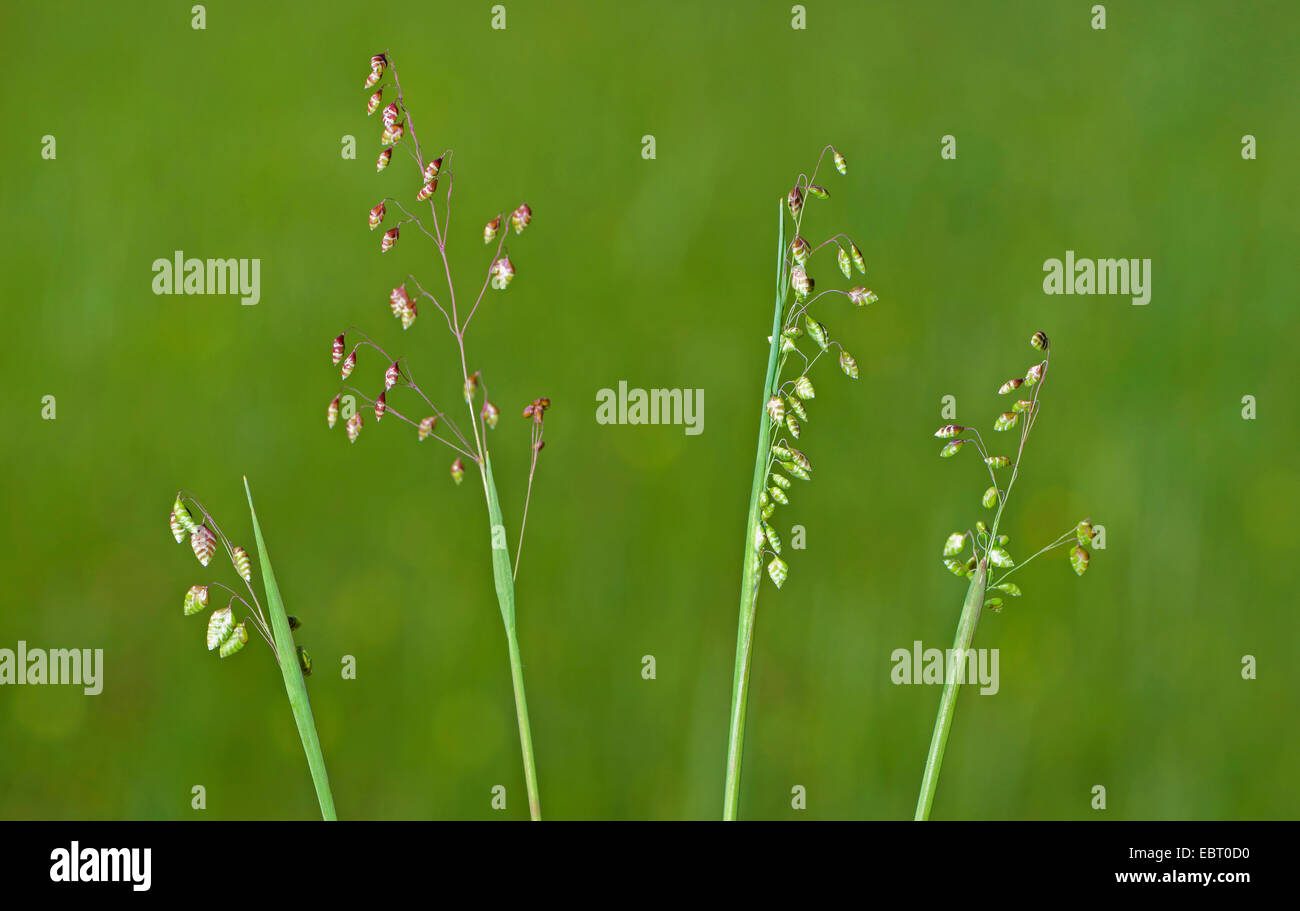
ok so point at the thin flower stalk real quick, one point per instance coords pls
(468, 442)
(990, 563)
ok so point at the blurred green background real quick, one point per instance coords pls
(226, 142)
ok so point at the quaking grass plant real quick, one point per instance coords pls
(989, 564)
(228, 637)
(798, 341)
(399, 129)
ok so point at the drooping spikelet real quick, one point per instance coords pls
(1079, 560)
(1039, 340)
(392, 375)
(220, 625)
(336, 349)
(803, 388)
(374, 101)
(858, 259)
(458, 470)
(204, 544)
(390, 238)
(503, 272)
(795, 201)
(332, 413)
(776, 409)
(426, 427)
(520, 218)
(862, 296)
(490, 230)
(846, 264)
(390, 114)
(431, 169)
(491, 416)
(242, 564)
(377, 215)
(384, 158)
(799, 250)
(848, 365)
(840, 164)
(354, 427)
(349, 362)
(381, 405)
(801, 282)
(183, 516)
(777, 570)
(178, 532)
(196, 599)
(237, 639)
(427, 190)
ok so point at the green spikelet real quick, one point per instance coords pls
(238, 639)
(1083, 533)
(242, 564)
(776, 409)
(178, 530)
(953, 545)
(183, 516)
(857, 257)
(816, 332)
(795, 470)
(219, 627)
(1010, 588)
(999, 557)
(951, 448)
(793, 425)
(1006, 420)
(994, 604)
(796, 407)
(846, 266)
(196, 599)
(778, 571)
(990, 498)
(778, 495)
(848, 365)
(1079, 560)
(803, 388)
(997, 461)
(304, 661)
(772, 537)
(955, 567)
(781, 481)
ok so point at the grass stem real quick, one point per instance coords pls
(752, 568)
(970, 616)
(505, 586)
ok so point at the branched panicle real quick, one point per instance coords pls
(224, 634)
(799, 339)
(984, 542)
(436, 178)
(803, 341)
(398, 132)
